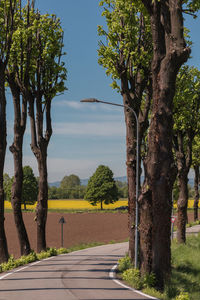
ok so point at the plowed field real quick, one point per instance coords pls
(79, 228)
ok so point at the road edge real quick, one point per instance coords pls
(112, 275)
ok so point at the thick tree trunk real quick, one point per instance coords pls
(169, 53)
(146, 220)
(42, 202)
(182, 208)
(131, 176)
(16, 149)
(196, 188)
(3, 242)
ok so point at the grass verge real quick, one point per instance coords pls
(185, 279)
(23, 260)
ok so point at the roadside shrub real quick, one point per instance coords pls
(132, 276)
(148, 280)
(62, 251)
(124, 264)
(183, 296)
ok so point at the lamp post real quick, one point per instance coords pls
(93, 100)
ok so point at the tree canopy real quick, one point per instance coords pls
(101, 187)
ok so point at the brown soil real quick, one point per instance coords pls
(79, 228)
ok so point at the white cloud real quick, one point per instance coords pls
(72, 104)
(88, 106)
(90, 129)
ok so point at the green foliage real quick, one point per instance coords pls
(187, 100)
(183, 296)
(126, 43)
(101, 187)
(196, 151)
(7, 183)
(70, 188)
(132, 276)
(37, 52)
(70, 181)
(30, 186)
(124, 263)
(122, 189)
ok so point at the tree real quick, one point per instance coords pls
(47, 79)
(126, 55)
(7, 20)
(196, 165)
(30, 186)
(70, 187)
(7, 183)
(101, 187)
(17, 74)
(169, 53)
(70, 181)
(186, 126)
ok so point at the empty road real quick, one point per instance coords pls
(80, 275)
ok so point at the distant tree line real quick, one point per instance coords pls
(71, 188)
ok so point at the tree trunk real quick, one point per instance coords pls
(3, 242)
(16, 149)
(169, 53)
(42, 202)
(182, 208)
(131, 174)
(101, 204)
(146, 220)
(196, 188)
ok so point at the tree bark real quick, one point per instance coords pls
(16, 149)
(196, 188)
(42, 202)
(39, 146)
(182, 208)
(184, 160)
(3, 242)
(169, 54)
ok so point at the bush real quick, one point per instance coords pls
(132, 276)
(183, 296)
(124, 264)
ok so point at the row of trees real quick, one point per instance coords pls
(71, 188)
(31, 66)
(143, 50)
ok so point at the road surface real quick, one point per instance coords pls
(81, 275)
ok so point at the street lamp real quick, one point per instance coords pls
(92, 100)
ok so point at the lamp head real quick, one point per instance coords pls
(89, 100)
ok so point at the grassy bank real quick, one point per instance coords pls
(185, 279)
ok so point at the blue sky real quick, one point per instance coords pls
(84, 135)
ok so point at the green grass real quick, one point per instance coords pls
(185, 279)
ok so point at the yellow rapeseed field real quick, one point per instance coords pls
(76, 204)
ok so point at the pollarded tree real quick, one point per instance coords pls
(170, 52)
(196, 166)
(186, 126)
(126, 55)
(47, 79)
(17, 74)
(8, 9)
(101, 187)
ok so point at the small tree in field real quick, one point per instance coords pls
(30, 187)
(101, 187)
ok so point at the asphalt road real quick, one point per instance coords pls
(84, 274)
